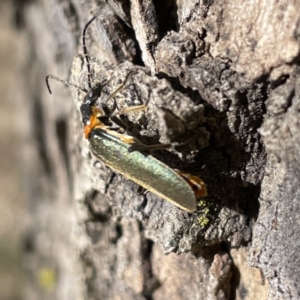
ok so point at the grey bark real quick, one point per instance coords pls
(222, 83)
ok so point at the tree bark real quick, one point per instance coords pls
(221, 80)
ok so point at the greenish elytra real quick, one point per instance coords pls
(143, 169)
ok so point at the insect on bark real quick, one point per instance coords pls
(127, 155)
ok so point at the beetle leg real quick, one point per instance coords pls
(128, 109)
(118, 136)
(109, 114)
(141, 190)
(143, 147)
(120, 88)
(131, 109)
(96, 122)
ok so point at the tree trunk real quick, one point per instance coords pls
(221, 80)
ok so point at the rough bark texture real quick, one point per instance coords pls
(221, 79)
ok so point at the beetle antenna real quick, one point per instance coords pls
(86, 55)
(65, 82)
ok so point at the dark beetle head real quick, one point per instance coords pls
(92, 95)
(86, 111)
(88, 101)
